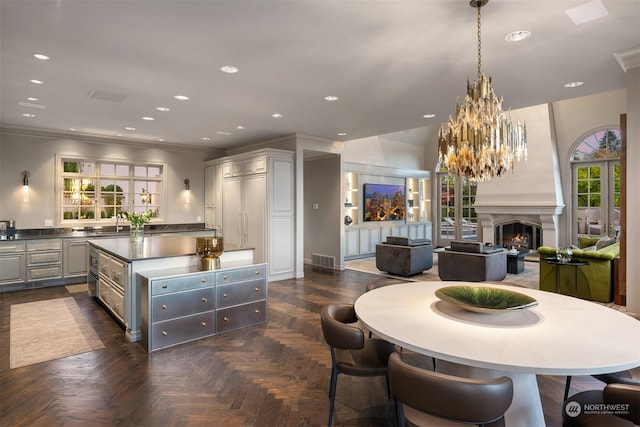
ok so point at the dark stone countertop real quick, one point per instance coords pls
(104, 231)
(153, 247)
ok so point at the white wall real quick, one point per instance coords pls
(36, 154)
(379, 151)
(633, 195)
(322, 189)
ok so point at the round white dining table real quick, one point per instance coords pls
(561, 335)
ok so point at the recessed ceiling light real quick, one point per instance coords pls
(229, 69)
(130, 128)
(517, 36)
(28, 115)
(147, 118)
(181, 97)
(161, 139)
(163, 109)
(429, 116)
(38, 82)
(277, 116)
(119, 134)
(41, 56)
(31, 105)
(222, 132)
(206, 138)
(31, 98)
(240, 127)
(573, 84)
(342, 134)
(72, 129)
(331, 98)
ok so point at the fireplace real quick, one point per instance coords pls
(524, 237)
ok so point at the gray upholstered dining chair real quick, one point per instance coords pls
(431, 398)
(578, 410)
(351, 352)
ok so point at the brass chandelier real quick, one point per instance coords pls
(481, 142)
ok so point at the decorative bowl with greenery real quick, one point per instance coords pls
(483, 299)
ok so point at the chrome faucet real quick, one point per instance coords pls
(118, 218)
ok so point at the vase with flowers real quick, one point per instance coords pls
(137, 222)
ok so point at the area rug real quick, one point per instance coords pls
(75, 289)
(46, 330)
(528, 278)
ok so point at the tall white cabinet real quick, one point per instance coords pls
(254, 203)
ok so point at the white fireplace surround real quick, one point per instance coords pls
(545, 217)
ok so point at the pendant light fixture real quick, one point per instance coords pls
(481, 141)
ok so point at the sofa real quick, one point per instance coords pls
(472, 262)
(403, 256)
(594, 281)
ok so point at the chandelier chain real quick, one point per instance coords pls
(479, 42)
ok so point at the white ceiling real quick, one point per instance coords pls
(389, 62)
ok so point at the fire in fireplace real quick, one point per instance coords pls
(518, 235)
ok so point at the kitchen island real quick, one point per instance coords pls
(115, 266)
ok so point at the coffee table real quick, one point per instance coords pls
(575, 263)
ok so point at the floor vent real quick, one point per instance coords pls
(33, 285)
(323, 260)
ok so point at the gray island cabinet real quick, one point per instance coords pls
(115, 264)
(178, 306)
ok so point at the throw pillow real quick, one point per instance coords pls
(604, 242)
(589, 248)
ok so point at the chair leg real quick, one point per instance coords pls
(401, 422)
(334, 378)
(388, 387)
(332, 393)
(566, 388)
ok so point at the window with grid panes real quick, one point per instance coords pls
(98, 190)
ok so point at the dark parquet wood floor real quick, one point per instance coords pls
(275, 374)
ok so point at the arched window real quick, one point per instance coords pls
(595, 164)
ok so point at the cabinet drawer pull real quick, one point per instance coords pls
(204, 280)
(204, 299)
(257, 311)
(165, 333)
(226, 319)
(164, 306)
(203, 324)
(225, 295)
(257, 289)
(164, 286)
(226, 277)
(257, 273)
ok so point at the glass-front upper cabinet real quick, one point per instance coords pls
(418, 199)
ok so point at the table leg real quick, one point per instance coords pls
(526, 408)
(557, 267)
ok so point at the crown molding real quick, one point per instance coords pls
(100, 139)
(628, 58)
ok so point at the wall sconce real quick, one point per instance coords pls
(187, 187)
(25, 186)
(145, 197)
